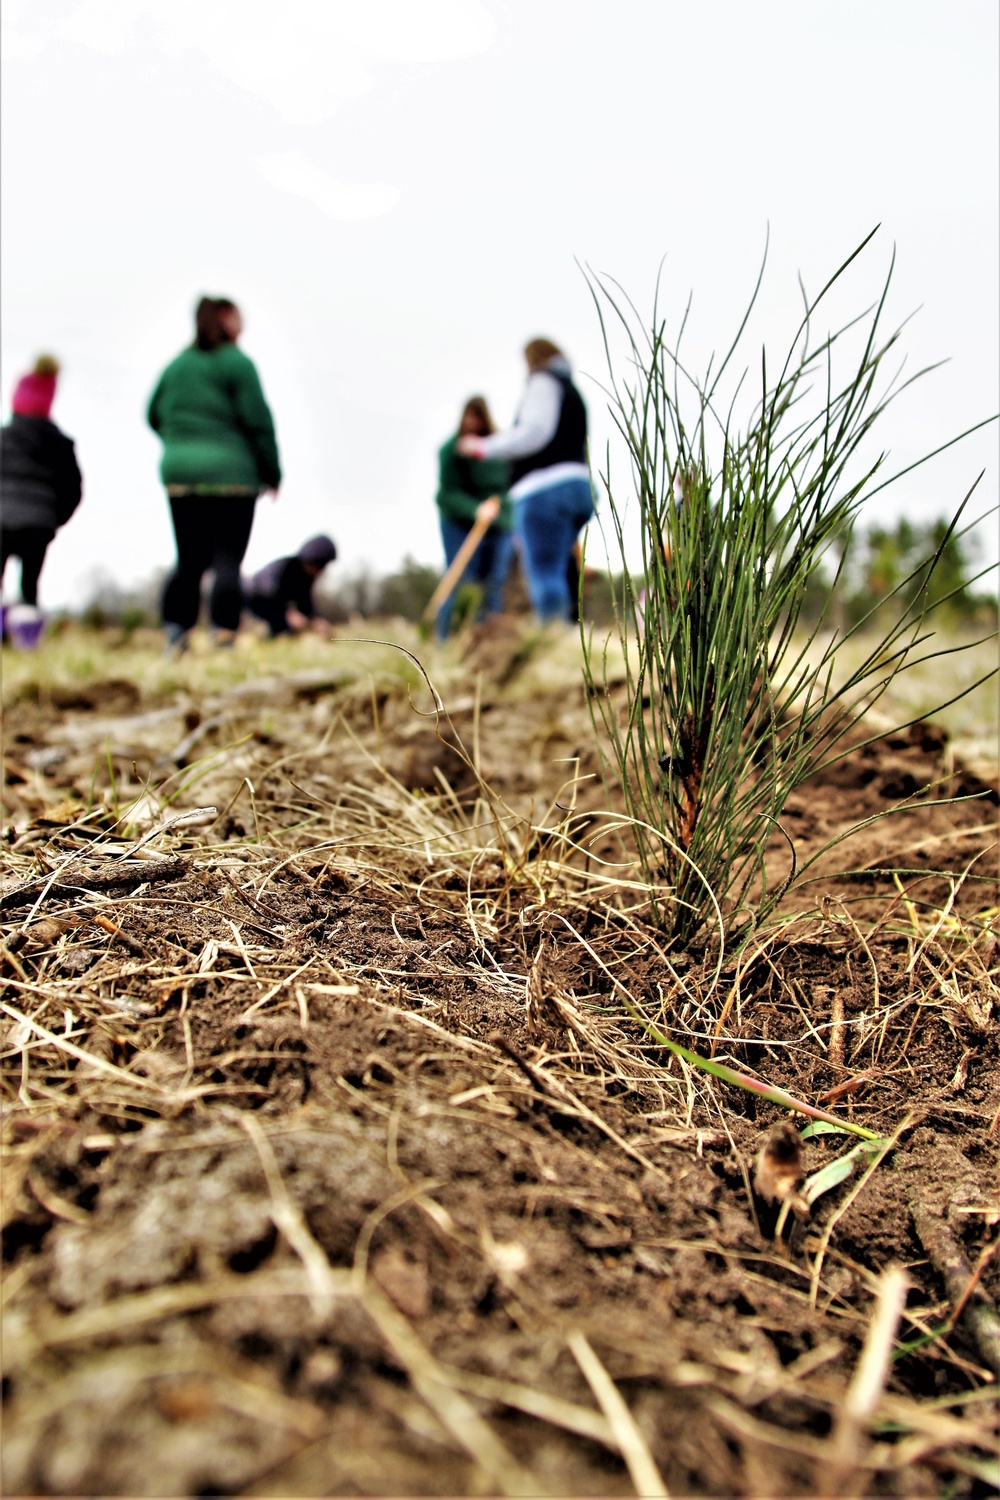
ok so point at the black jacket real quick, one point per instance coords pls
(40, 482)
(279, 584)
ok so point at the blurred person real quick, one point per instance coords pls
(550, 477)
(281, 594)
(40, 488)
(471, 489)
(219, 453)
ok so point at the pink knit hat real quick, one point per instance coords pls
(34, 393)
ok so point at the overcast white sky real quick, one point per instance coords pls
(395, 192)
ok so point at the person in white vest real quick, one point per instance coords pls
(550, 476)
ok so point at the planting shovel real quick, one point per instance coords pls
(458, 565)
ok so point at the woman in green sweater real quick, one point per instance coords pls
(470, 488)
(219, 453)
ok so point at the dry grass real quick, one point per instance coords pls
(308, 790)
(973, 721)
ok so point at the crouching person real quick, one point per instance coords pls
(40, 488)
(281, 594)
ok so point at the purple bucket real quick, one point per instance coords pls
(23, 625)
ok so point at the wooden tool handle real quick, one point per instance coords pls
(457, 567)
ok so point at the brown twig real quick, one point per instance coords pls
(497, 1039)
(837, 1029)
(946, 1255)
(254, 906)
(129, 944)
(140, 871)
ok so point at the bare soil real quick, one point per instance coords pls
(327, 1133)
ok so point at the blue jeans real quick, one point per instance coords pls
(548, 523)
(488, 568)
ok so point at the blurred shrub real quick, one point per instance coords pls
(405, 593)
(886, 557)
(108, 603)
(895, 564)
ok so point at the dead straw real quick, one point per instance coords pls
(631, 1444)
(867, 1384)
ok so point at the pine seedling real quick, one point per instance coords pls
(731, 702)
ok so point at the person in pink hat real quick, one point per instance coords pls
(40, 488)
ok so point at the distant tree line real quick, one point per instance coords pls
(888, 568)
(880, 562)
(402, 594)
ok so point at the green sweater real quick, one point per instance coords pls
(217, 430)
(465, 482)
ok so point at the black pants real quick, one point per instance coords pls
(212, 532)
(30, 544)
